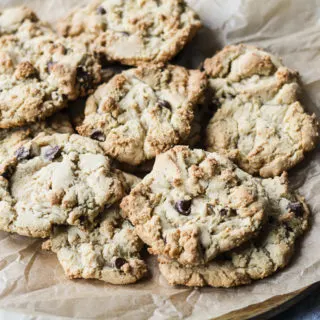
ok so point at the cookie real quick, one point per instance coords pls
(271, 251)
(39, 72)
(195, 205)
(260, 123)
(12, 139)
(109, 252)
(143, 111)
(12, 18)
(154, 30)
(54, 180)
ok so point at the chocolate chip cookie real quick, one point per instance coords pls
(143, 111)
(195, 205)
(39, 72)
(109, 251)
(54, 180)
(260, 122)
(259, 258)
(133, 32)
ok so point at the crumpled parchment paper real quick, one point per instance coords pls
(32, 284)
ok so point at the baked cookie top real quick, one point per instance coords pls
(11, 19)
(12, 139)
(260, 123)
(54, 180)
(143, 111)
(195, 205)
(39, 71)
(110, 251)
(270, 251)
(154, 30)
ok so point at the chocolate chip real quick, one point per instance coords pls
(98, 135)
(183, 207)
(119, 262)
(52, 152)
(223, 212)
(101, 10)
(84, 78)
(125, 33)
(296, 208)
(22, 153)
(164, 104)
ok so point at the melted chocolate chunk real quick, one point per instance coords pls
(125, 33)
(22, 153)
(183, 207)
(296, 208)
(119, 262)
(101, 10)
(164, 104)
(52, 152)
(98, 135)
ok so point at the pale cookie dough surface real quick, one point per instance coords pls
(195, 205)
(270, 251)
(260, 123)
(153, 30)
(12, 139)
(143, 111)
(54, 180)
(39, 72)
(110, 251)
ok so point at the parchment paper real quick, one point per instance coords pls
(32, 284)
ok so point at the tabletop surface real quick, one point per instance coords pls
(307, 309)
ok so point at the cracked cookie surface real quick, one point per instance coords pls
(154, 30)
(54, 180)
(12, 139)
(259, 258)
(143, 111)
(260, 123)
(39, 72)
(109, 251)
(195, 205)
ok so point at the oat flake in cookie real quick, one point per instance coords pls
(195, 205)
(133, 32)
(260, 123)
(110, 251)
(143, 111)
(259, 258)
(39, 72)
(54, 180)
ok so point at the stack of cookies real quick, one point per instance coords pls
(207, 150)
